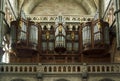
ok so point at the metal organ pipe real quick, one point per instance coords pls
(97, 32)
(33, 34)
(23, 30)
(86, 34)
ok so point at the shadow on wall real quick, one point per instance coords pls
(106, 79)
(61, 80)
(17, 80)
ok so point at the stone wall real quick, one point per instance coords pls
(17, 77)
(102, 77)
(59, 77)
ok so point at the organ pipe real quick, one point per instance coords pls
(23, 30)
(86, 35)
(33, 34)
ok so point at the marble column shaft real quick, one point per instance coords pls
(117, 15)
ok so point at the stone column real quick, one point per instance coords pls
(2, 14)
(84, 72)
(40, 77)
(117, 16)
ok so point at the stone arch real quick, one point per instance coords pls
(106, 79)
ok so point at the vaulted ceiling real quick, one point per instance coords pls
(54, 7)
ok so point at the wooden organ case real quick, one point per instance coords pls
(24, 41)
(59, 43)
(95, 36)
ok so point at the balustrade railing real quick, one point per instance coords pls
(18, 68)
(104, 68)
(62, 69)
(59, 68)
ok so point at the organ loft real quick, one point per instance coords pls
(59, 40)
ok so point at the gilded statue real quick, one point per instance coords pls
(60, 29)
(47, 35)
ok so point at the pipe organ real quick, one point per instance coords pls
(59, 41)
(95, 38)
(24, 38)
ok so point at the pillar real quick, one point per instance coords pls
(99, 9)
(117, 17)
(84, 72)
(2, 14)
(39, 77)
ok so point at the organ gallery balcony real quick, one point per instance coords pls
(46, 41)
